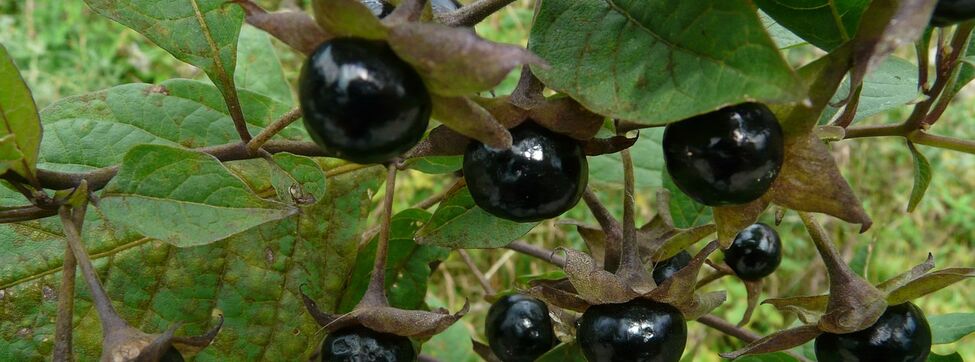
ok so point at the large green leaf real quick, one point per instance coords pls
(407, 269)
(648, 160)
(950, 328)
(200, 32)
(183, 197)
(252, 279)
(892, 85)
(824, 23)
(95, 130)
(459, 224)
(258, 67)
(18, 117)
(660, 61)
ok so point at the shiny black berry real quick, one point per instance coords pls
(362, 101)
(171, 355)
(519, 329)
(361, 344)
(726, 157)
(901, 334)
(667, 268)
(540, 177)
(637, 331)
(949, 12)
(755, 253)
(379, 8)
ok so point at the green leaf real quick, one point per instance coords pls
(565, 352)
(954, 357)
(408, 266)
(459, 224)
(684, 211)
(648, 162)
(183, 197)
(951, 328)
(251, 279)
(348, 18)
(437, 164)
(657, 61)
(922, 177)
(258, 67)
(297, 170)
(824, 23)
(95, 130)
(929, 283)
(892, 85)
(18, 117)
(9, 153)
(769, 357)
(200, 32)
(967, 72)
(783, 37)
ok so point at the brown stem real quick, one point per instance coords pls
(708, 279)
(474, 13)
(233, 104)
(25, 213)
(959, 46)
(103, 304)
(376, 292)
(537, 252)
(923, 53)
(630, 257)
(612, 228)
(273, 129)
(488, 290)
(850, 112)
(948, 143)
(64, 323)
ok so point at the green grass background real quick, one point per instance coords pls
(64, 49)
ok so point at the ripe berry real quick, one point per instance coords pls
(639, 331)
(949, 12)
(362, 101)
(171, 355)
(755, 253)
(519, 329)
(726, 157)
(901, 334)
(354, 344)
(667, 268)
(540, 177)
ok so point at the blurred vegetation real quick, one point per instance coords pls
(64, 49)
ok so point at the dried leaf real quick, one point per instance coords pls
(704, 303)
(592, 283)
(778, 341)
(455, 61)
(810, 181)
(564, 115)
(754, 290)
(602, 146)
(928, 284)
(471, 120)
(682, 240)
(408, 323)
(294, 28)
(348, 18)
(551, 294)
(808, 309)
(732, 219)
(909, 276)
(503, 110)
(595, 240)
(442, 141)
(679, 289)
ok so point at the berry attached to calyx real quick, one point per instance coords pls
(353, 344)
(542, 176)
(727, 157)
(755, 253)
(359, 99)
(902, 334)
(667, 268)
(640, 330)
(519, 329)
(949, 12)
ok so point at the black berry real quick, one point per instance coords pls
(755, 253)
(667, 268)
(171, 355)
(519, 329)
(726, 157)
(637, 331)
(540, 177)
(949, 12)
(901, 334)
(362, 101)
(355, 344)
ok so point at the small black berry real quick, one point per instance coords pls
(667, 268)
(726, 157)
(542, 176)
(359, 99)
(755, 253)
(519, 329)
(360, 344)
